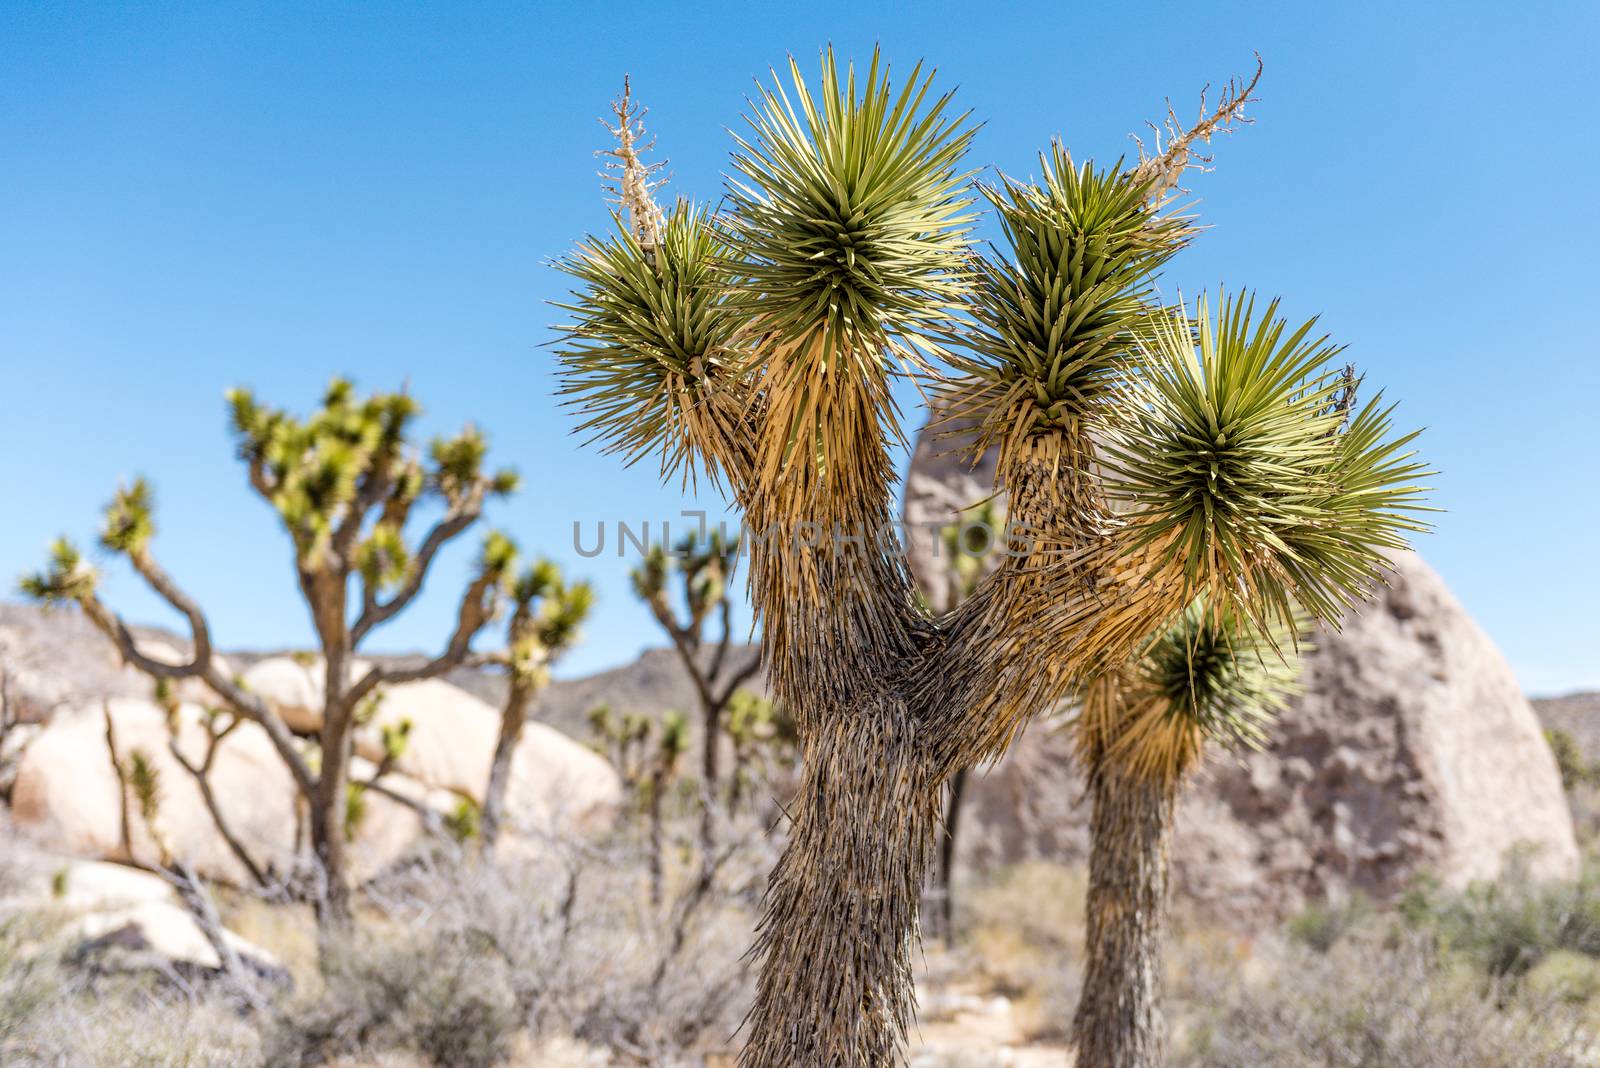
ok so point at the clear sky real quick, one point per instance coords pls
(198, 195)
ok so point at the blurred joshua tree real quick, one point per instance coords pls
(648, 756)
(970, 549)
(621, 740)
(699, 621)
(545, 616)
(344, 482)
(761, 736)
(1179, 485)
(671, 739)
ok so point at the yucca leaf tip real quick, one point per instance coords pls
(1053, 317)
(849, 214)
(1233, 456)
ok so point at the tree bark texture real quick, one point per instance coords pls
(837, 943)
(1119, 1022)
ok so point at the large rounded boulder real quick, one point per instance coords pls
(557, 785)
(68, 798)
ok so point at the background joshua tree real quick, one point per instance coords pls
(648, 756)
(759, 345)
(761, 738)
(345, 482)
(699, 621)
(969, 546)
(545, 616)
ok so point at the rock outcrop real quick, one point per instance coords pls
(54, 657)
(67, 796)
(556, 785)
(1410, 750)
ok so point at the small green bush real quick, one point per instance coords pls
(1509, 927)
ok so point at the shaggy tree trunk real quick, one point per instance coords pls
(512, 719)
(1119, 1022)
(841, 925)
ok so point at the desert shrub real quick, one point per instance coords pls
(1321, 926)
(1508, 927)
(52, 1014)
(1567, 976)
(1368, 1003)
(1575, 767)
(27, 984)
(404, 990)
(464, 956)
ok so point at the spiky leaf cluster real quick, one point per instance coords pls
(1233, 456)
(129, 518)
(1211, 676)
(144, 781)
(547, 615)
(674, 740)
(67, 577)
(498, 558)
(650, 330)
(458, 468)
(562, 612)
(1053, 318)
(849, 212)
(384, 559)
(350, 454)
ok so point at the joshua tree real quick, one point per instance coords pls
(621, 740)
(968, 546)
(705, 569)
(760, 734)
(344, 482)
(672, 738)
(648, 756)
(1147, 476)
(545, 616)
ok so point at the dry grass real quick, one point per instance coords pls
(470, 966)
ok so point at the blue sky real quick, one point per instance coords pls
(194, 196)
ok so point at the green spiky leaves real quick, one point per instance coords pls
(67, 577)
(129, 520)
(850, 214)
(1221, 675)
(458, 468)
(1233, 456)
(1211, 676)
(383, 558)
(352, 455)
(649, 331)
(1052, 322)
(498, 558)
(562, 612)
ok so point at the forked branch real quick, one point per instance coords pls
(1165, 169)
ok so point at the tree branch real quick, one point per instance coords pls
(751, 668)
(1165, 170)
(201, 774)
(240, 700)
(375, 613)
(477, 608)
